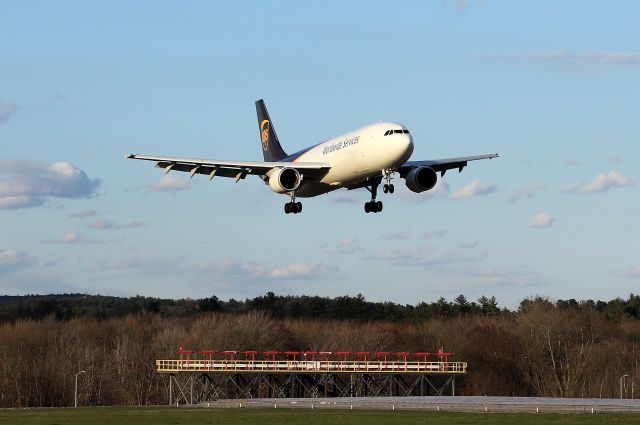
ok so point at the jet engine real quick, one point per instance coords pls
(421, 179)
(284, 180)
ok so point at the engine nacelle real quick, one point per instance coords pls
(284, 180)
(421, 179)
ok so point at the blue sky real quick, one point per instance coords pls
(554, 87)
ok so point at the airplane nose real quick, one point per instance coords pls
(409, 145)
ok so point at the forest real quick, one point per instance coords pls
(563, 348)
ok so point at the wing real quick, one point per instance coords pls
(233, 169)
(442, 165)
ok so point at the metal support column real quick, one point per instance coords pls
(191, 392)
(171, 378)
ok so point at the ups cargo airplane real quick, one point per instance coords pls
(361, 158)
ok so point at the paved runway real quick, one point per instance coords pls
(445, 404)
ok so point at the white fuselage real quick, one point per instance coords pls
(357, 156)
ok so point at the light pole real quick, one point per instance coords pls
(622, 383)
(75, 393)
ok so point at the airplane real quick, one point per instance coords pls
(362, 158)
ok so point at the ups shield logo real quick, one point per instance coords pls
(264, 134)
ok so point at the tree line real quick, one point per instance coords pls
(69, 306)
(541, 348)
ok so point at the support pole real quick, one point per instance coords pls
(453, 386)
(171, 389)
(191, 378)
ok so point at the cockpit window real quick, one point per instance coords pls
(389, 132)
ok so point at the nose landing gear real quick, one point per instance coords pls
(388, 186)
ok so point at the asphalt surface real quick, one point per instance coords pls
(447, 404)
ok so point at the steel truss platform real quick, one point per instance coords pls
(197, 387)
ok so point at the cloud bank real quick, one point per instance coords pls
(71, 238)
(26, 184)
(12, 260)
(102, 224)
(527, 191)
(171, 183)
(601, 183)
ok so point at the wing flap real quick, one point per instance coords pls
(231, 169)
(442, 165)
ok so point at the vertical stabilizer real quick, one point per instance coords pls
(270, 144)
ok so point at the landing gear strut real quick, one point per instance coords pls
(292, 206)
(373, 205)
(388, 186)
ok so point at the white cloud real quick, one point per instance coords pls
(440, 189)
(71, 238)
(601, 183)
(527, 191)
(6, 111)
(475, 188)
(226, 270)
(347, 243)
(345, 246)
(632, 272)
(302, 271)
(25, 184)
(102, 224)
(541, 220)
(587, 58)
(83, 213)
(12, 260)
(171, 183)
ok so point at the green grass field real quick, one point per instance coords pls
(201, 416)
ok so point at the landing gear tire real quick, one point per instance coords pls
(391, 188)
(385, 188)
(293, 207)
(373, 207)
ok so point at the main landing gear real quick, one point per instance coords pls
(292, 206)
(373, 206)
